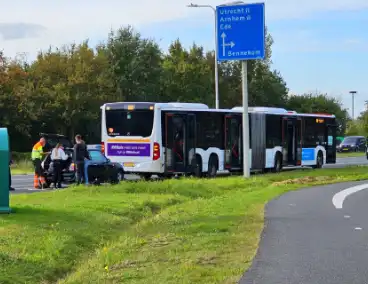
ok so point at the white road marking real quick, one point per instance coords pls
(358, 228)
(338, 198)
(346, 216)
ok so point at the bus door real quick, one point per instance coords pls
(331, 144)
(233, 142)
(291, 141)
(180, 135)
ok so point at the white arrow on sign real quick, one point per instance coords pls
(224, 44)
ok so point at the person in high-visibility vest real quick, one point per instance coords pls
(37, 155)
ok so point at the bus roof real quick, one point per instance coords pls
(274, 110)
(204, 107)
(169, 105)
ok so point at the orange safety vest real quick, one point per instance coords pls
(37, 151)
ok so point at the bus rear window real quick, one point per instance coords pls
(123, 122)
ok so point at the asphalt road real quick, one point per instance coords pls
(307, 240)
(353, 161)
(24, 183)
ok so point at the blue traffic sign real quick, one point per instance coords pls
(241, 32)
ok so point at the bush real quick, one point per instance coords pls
(20, 156)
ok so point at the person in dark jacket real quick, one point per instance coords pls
(79, 156)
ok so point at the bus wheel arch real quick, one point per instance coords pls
(278, 162)
(213, 165)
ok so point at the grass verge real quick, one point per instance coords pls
(22, 167)
(350, 155)
(175, 231)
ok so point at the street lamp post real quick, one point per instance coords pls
(352, 106)
(216, 50)
(216, 43)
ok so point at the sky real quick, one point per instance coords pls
(320, 45)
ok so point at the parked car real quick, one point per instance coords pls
(100, 170)
(68, 171)
(53, 139)
(352, 144)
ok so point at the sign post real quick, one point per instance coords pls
(241, 37)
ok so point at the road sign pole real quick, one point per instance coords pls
(246, 168)
(216, 66)
(241, 37)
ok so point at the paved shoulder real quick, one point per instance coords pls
(306, 240)
(22, 183)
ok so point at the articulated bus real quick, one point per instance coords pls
(167, 139)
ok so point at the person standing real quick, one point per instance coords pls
(80, 155)
(37, 155)
(57, 157)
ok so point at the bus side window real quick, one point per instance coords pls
(273, 131)
(309, 138)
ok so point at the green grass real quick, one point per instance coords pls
(350, 155)
(175, 231)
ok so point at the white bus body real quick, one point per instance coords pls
(185, 138)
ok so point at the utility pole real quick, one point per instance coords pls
(191, 5)
(216, 63)
(352, 103)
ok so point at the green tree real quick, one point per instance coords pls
(187, 76)
(62, 90)
(70, 86)
(355, 127)
(136, 65)
(359, 125)
(16, 103)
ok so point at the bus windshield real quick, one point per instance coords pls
(122, 122)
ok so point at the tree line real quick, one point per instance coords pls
(62, 90)
(358, 126)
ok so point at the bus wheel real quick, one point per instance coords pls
(319, 161)
(197, 167)
(278, 164)
(212, 167)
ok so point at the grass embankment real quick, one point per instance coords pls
(350, 154)
(175, 231)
